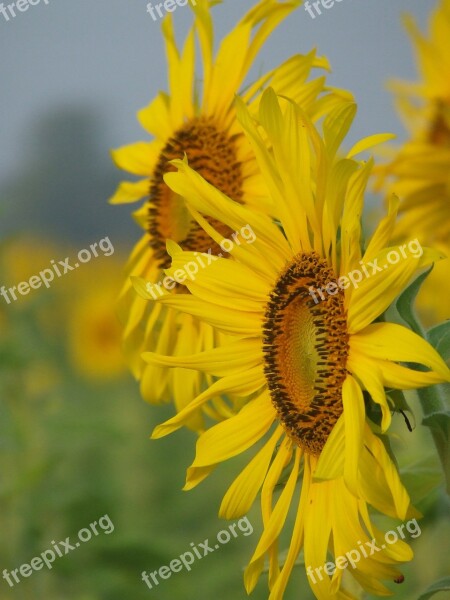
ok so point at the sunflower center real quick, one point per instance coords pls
(305, 351)
(212, 153)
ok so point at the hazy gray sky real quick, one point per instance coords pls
(106, 58)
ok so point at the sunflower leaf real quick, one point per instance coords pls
(435, 401)
(443, 585)
(402, 310)
(439, 338)
(439, 425)
(422, 478)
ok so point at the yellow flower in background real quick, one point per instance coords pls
(94, 333)
(21, 257)
(202, 125)
(80, 314)
(420, 168)
(300, 358)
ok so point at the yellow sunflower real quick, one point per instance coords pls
(204, 127)
(307, 350)
(420, 168)
(93, 330)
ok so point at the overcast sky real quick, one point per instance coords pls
(99, 61)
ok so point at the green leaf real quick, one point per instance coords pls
(443, 585)
(439, 425)
(402, 310)
(422, 478)
(435, 401)
(439, 338)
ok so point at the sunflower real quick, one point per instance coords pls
(93, 330)
(204, 127)
(420, 168)
(308, 350)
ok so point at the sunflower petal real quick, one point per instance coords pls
(138, 158)
(354, 416)
(235, 435)
(220, 361)
(241, 384)
(242, 493)
(390, 341)
(130, 191)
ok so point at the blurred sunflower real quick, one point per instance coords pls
(303, 366)
(22, 257)
(94, 332)
(420, 168)
(204, 127)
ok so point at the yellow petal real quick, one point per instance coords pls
(209, 201)
(370, 142)
(398, 491)
(235, 435)
(383, 233)
(317, 532)
(351, 217)
(225, 319)
(332, 458)
(138, 158)
(369, 374)
(241, 384)
(390, 341)
(130, 191)
(354, 417)
(401, 378)
(240, 287)
(273, 527)
(281, 460)
(279, 587)
(157, 119)
(242, 493)
(376, 293)
(220, 361)
(196, 476)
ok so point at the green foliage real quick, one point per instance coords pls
(435, 400)
(443, 585)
